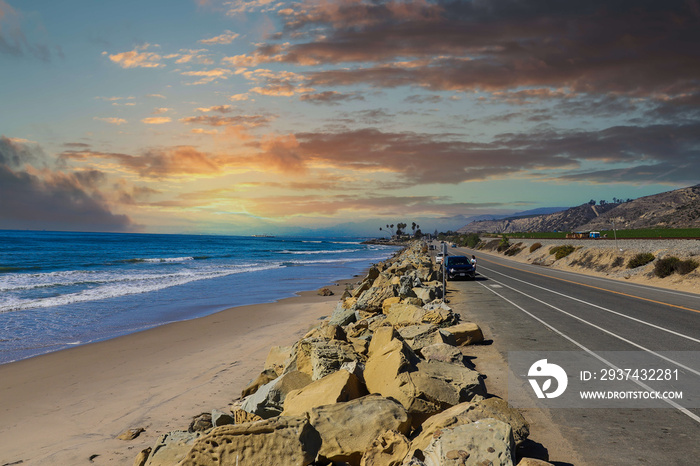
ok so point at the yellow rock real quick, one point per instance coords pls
(337, 387)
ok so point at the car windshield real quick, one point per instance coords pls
(458, 260)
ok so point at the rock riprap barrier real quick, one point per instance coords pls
(381, 382)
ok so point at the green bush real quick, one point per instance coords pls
(503, 245)
(514, 250)
(618, 262)
(669, 265)
(643, 258)
(472, 240)
(535, 247)
(562, 251)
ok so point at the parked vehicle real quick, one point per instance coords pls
(439, 257)
(459, 267)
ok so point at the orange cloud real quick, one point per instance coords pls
(137, 58)
(209, 75)
(156, 120)
(111, 120)
(226, 38)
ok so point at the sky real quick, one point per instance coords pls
(338, 116)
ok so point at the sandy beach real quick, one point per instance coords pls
(68, 407)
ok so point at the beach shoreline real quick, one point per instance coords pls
(69, 406)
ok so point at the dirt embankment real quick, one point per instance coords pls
(608, 258)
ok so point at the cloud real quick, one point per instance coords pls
(226, 38)
(160, 110)
(13, 40)
(157, 96)
(217, 109)
(248, 121)
(209, 76)
(111, 120)
(597, 48)
(50, 199)
(330, 97)
(137, 58)
(156, 120)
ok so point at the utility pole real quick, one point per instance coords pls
(444, 276)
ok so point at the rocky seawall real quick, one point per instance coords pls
(380, 382)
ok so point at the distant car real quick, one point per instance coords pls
(459, 267)
(439, 257)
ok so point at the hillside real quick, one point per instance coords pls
(673, 209)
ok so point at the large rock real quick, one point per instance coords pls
(422, 387)
(401, 315)
(422, 335)
(372, 299)
(466, 333)
(318, 357)
(268, 375)
(533, 462)
(349, 429)
(442, 352)
(487, 441)
(268, 401)
(171, 448)
(337, 387)
(327, 331)
(466, 413)
(283, 440)
(389, 449)
(277, 357)
(342, 315)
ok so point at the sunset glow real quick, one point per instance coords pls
(242, 117)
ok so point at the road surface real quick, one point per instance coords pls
(524, 307)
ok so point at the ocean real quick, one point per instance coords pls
(61, 289)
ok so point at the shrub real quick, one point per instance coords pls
(643, 258)
(665, 267)
(513, 250)
(669, 265)
(472, 240)
(535, 247)
(562, 251)
(503, 244)
(618, 262)
(687, 266)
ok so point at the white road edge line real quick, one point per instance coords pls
(598, 327)
(599, 307)
(600, 358)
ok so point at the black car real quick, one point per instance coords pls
(459, 267)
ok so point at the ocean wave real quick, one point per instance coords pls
(135, 284)
(160, 259)
(331, 251)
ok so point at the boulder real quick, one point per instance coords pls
(327, 331)
(389, 449)
(406, 287)
(276, 358)
(318, 357)
(131, 434)
(268, 401)
(171, 448)
(415, 301)
(142, 457)
(466, 333)
(487, 441)
(219, 418)
(200, 423)
(465, 413)
(265, 376)
(241, 416)
(372, 299)
(442, 352)
(533, 462)
(364, 286)
(401, 315)
(349, 429)
(424, 388)
(342, 315)
(337, 387)
(390, 302)
(422, 335)
(325, 292)
(282, 440)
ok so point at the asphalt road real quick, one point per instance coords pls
(534, 308)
